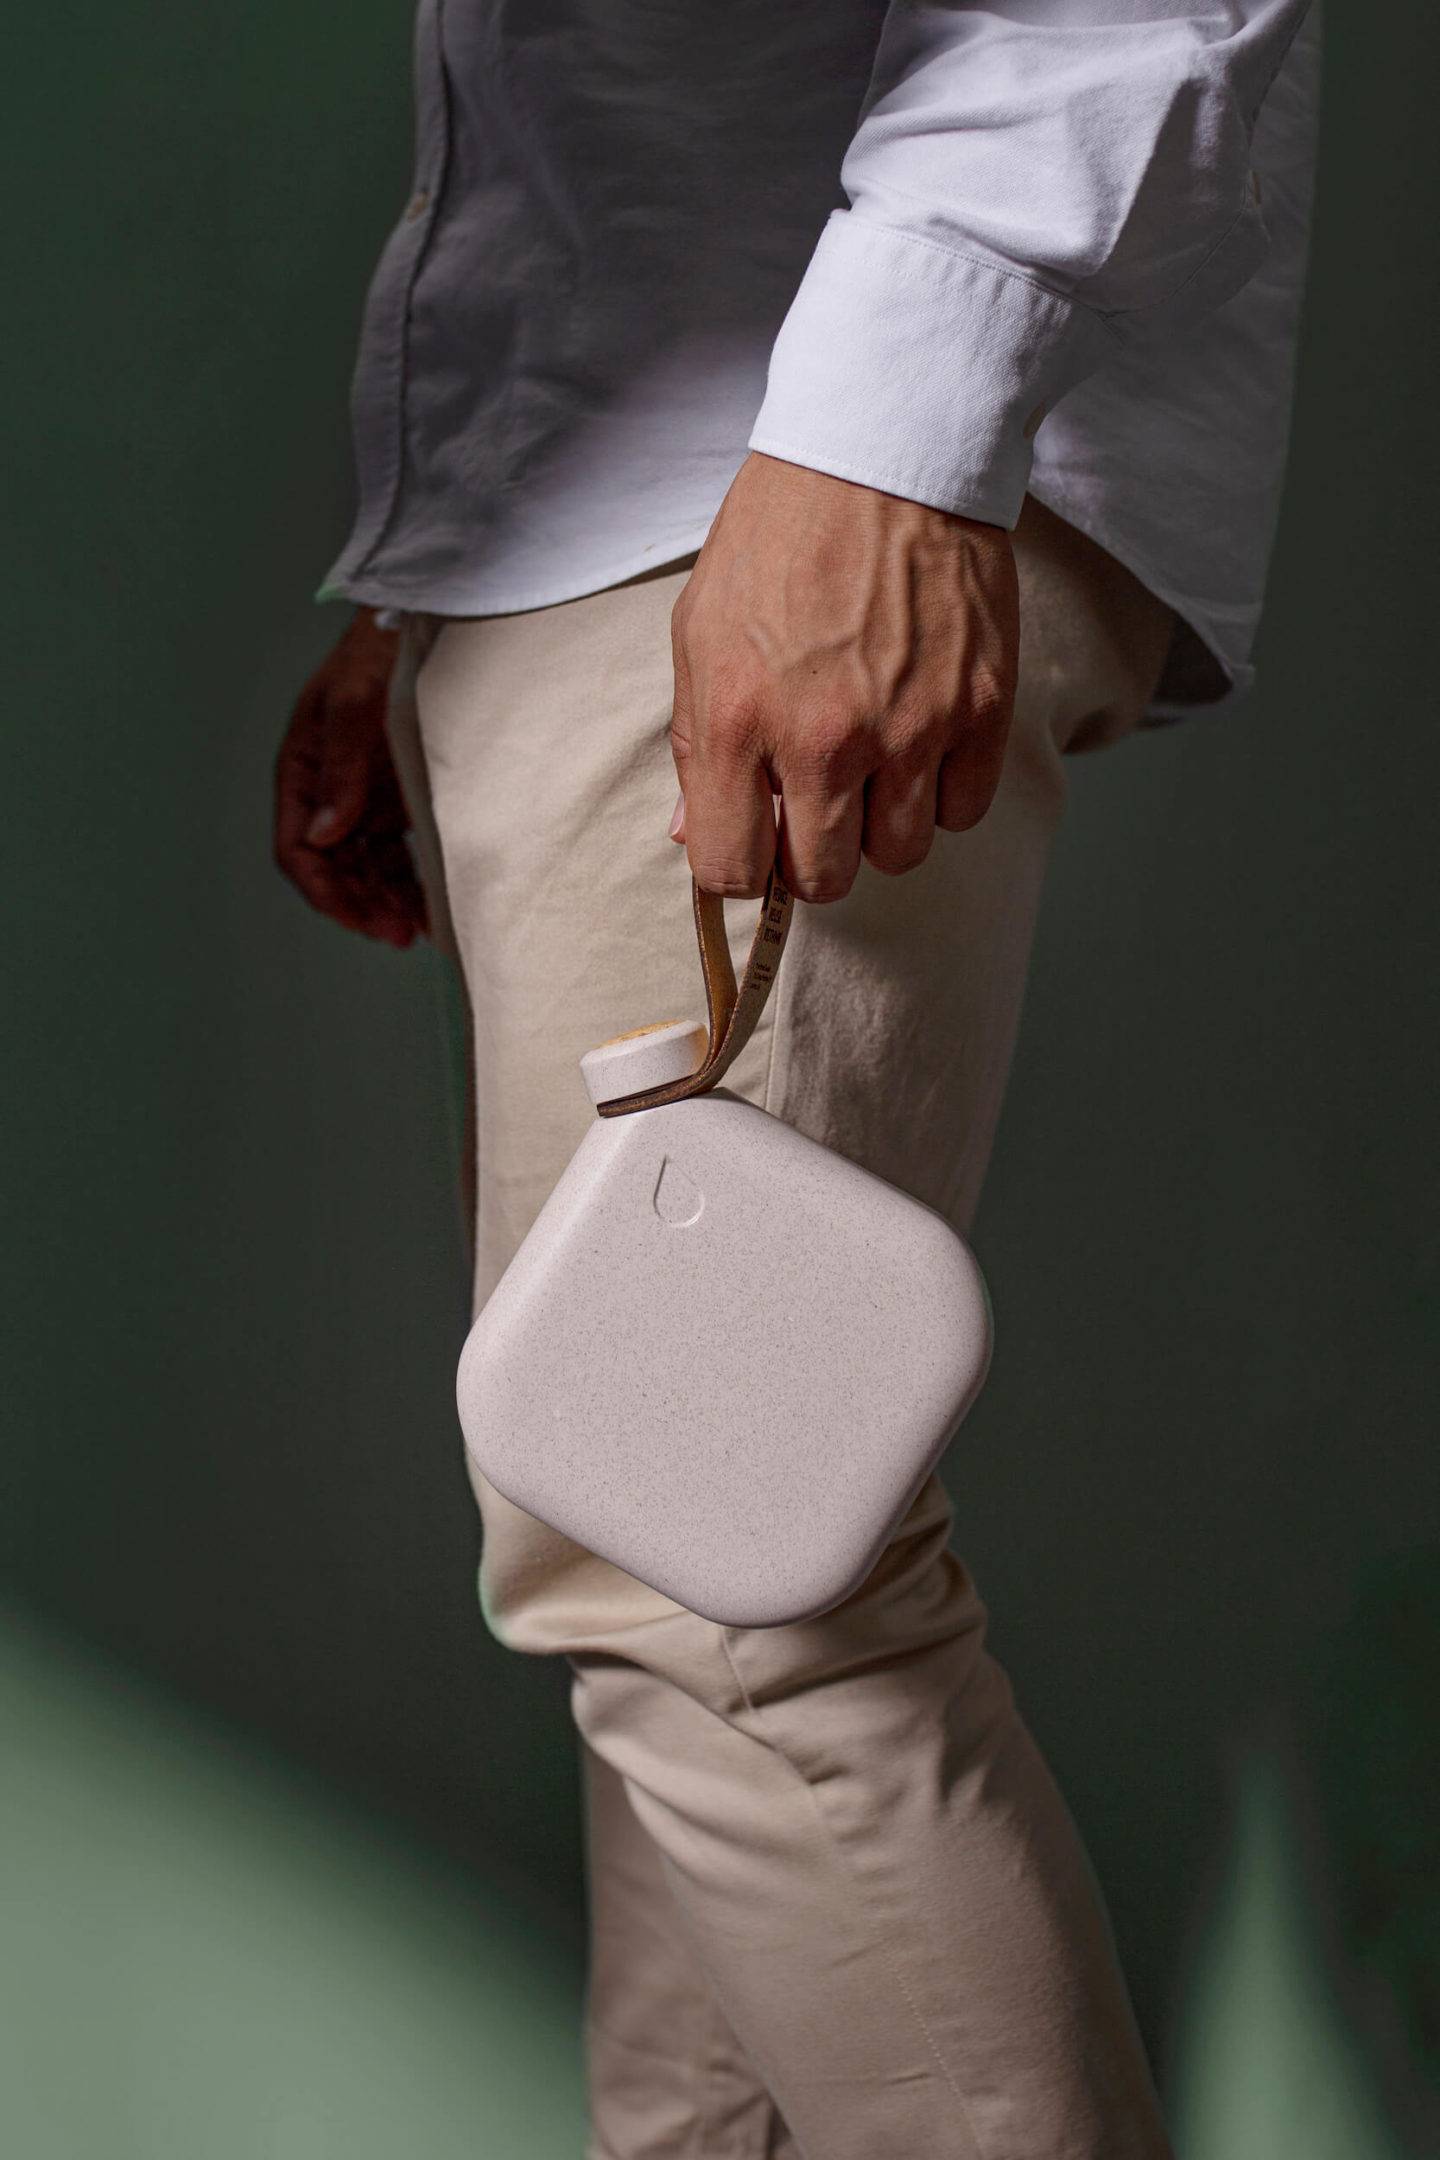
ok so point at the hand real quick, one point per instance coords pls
(853, 653)
(340, 820)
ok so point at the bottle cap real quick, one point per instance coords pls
(648, 1057)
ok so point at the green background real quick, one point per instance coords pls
(290, 1845)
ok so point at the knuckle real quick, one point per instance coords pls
(829, 759)
(966, 797)
(732, 726)
(919, 735)
(732, 880)
(823, 825)
(893, 859)
(991, 697)
(821, 887)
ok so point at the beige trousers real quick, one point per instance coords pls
(838, 1907)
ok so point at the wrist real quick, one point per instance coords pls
(373, 629)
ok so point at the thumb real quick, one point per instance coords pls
(681, 721)
(341, 790)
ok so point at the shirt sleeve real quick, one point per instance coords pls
(1031, 183)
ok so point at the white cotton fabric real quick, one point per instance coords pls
(953, 252)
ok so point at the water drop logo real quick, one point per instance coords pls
(677, 1200)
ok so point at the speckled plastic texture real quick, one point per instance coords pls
(725, 1358)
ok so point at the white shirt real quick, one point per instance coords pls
(1069, 258)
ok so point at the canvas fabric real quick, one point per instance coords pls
(838, 1907)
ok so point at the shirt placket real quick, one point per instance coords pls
(380, 390)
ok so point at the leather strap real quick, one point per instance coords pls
(732, 1009)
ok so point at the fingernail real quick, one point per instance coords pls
(321, 827)
(677, 823)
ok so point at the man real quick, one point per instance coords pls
(882, 514)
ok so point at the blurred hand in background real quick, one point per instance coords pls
(340, 819)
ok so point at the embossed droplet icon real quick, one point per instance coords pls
(678, 1200)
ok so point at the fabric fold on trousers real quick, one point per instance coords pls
(838, 1907)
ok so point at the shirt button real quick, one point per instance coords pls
(418, 204)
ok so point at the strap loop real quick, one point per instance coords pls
(732, 1009)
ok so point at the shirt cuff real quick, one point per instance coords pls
(911, 368)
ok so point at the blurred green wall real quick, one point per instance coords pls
(231, 1458)
(232, 1311)
(205, 1959)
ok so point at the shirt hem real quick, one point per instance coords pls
(469, 600)
(1238, 675)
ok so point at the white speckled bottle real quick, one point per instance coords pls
(724, 1358)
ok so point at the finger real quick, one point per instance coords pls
(347, 769)
(823, 824)
(329, 885)
(402, 886)
(729, 813)
(395, 894)
(682, 710)
(722, 768)
(682, 722)
(384, 895)
(326, 887)
(296, 780)
(382, 917)
(970, 774)
(900, 807)
(330, 882)
(967, 782)
(356, 903)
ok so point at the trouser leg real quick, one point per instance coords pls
(866, 1858)
(666, 2073)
